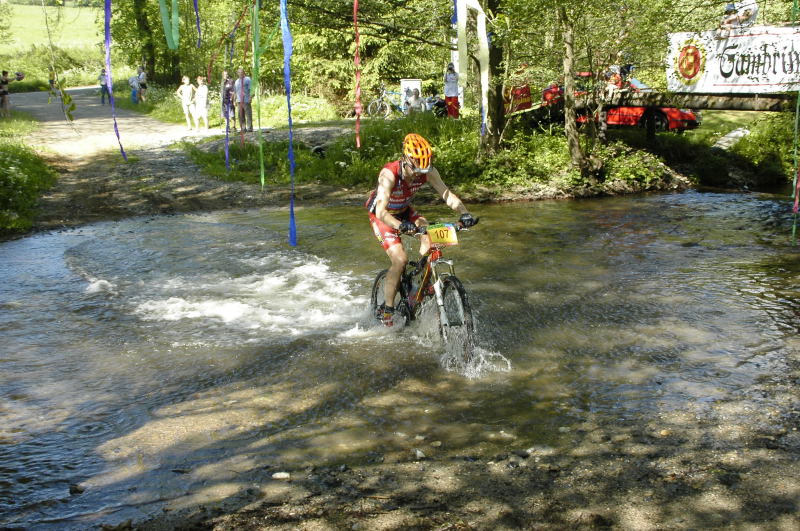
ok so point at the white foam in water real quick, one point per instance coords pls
(482, 363)
(299, 294)
(98, 285)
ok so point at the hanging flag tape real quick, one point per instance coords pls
(357, 61)
(197, 20)
(109, 80)
(287, 81)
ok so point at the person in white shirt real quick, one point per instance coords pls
(241, 91)
(200, 105)
(451, 91)
(414, 103)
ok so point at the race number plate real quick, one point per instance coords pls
(443, 234)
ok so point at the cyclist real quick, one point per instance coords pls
(391, 213)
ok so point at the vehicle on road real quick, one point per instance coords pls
(666, 118)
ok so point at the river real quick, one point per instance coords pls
(164, 359)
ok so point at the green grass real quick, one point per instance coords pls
(716, 124)
(70, 27)
(76, 52)
(23, 175)
(164, 105)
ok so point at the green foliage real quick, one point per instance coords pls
(770, 146)
(529, 158)
(23, 175)
(454, 141)
(638, 169)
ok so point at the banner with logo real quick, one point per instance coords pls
(517, 99)
(756, 60)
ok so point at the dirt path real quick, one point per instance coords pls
(95, 183)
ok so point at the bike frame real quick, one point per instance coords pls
(431, 276)
(391, 97)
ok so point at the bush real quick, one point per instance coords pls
(454, 141)
(529, 158)
(23, 176)
(770, 146)
(637, 170)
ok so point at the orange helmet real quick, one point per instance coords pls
(418, 151)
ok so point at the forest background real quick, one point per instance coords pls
(534, 42)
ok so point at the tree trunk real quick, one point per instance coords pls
(570, 116)
(146, 33)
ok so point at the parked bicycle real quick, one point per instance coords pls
(387, 101)
(423, 282)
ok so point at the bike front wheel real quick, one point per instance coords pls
(378, 109)
(378, 297)
(455, 321)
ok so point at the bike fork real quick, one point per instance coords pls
(437, 288)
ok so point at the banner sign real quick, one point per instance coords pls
(755, 60)
(517, 99)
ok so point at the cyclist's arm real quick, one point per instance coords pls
(444, 192)
(385, 185)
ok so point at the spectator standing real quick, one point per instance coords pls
(133, 81)
(414, 103)
(186, 94)
(226, 98)
(451, 91)
(104, 91)
(5, 111)
(200, 103)
(142, 83)
(242, 91)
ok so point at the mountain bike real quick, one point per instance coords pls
(433, 279)
(387, 101)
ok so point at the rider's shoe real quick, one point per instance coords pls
(385, 315)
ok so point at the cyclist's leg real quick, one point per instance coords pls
(390, 241)
(398, 257)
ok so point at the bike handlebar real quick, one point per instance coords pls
(458, 225)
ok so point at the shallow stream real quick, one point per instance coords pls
(165, 359)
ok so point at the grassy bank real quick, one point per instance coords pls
(23, 175)
(534, 164)
(77, 51)
(163, 104)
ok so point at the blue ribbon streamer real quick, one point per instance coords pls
(228, 110)
(109, 82)
(287, 82)
(197, 19)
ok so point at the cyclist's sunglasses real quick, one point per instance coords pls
(411, 162)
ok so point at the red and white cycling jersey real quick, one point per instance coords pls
(402, 192)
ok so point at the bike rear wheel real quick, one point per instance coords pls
(378, 109)
(458, 330)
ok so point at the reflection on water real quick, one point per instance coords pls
(168, 358)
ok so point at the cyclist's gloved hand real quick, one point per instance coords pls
(407, 227)
(467, 220)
